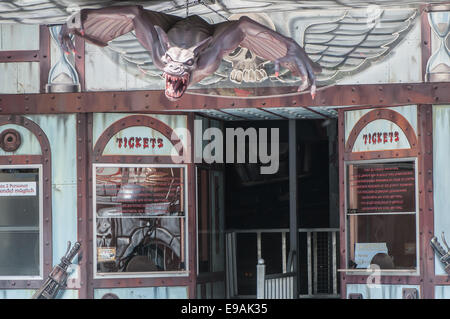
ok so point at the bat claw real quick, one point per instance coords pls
(277, 73)
(82, 32)
(313, 91)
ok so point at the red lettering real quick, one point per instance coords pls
(138, 142)
(143, 142)
(370, 139)
(131, 142)
(365, 138)
(385, 137)
(374, 138)
(390, 136)
(379, 138)
(119, 140)
(396, 136)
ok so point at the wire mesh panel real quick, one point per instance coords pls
(323, 268)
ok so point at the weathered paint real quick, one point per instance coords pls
(402, 65)
(104, 72)
(19, 37)
(380, 292)
(442, 292)
(61, 133)
(144, 293)
(441, 175)
(29, 143)
(21, 77)
(28, 293)
(409, 112)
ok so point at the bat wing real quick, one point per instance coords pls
(100, 26)
(348, 43)
(272, 46)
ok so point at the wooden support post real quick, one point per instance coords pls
(293, 227)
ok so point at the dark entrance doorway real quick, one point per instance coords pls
(257, 209)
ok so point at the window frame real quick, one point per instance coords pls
(383, 272)
(154, 274)
(41, 222)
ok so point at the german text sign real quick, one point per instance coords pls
(381, 187)
(17, 188)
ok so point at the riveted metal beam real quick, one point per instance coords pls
(374, 95)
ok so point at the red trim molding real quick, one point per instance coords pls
(44, 56)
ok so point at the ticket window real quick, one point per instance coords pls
(20, 222)
(382, 215)
(140, 224)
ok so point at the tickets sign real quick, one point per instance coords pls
(18, 189)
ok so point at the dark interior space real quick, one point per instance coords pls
(257, 201)
(254, 200)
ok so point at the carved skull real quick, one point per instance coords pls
(247, 66)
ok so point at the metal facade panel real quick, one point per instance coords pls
(402, 65)
(144, 293)
(441, 175)
(61, 133)
(380, 292)
(29, 145)
(109, 72)
(20, 77)
(19, 37)
(442, 292)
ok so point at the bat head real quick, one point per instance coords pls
(179, 63)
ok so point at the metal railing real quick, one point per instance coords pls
(275, 286)
(321, 259)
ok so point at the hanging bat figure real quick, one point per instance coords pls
(189, 49)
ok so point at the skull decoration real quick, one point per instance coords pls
(247, 66)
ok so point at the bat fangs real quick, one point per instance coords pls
(175, 85)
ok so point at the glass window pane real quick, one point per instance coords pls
(19, 252)
(390, 241)
(19, 222)
(381, 187)
(140, 218)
